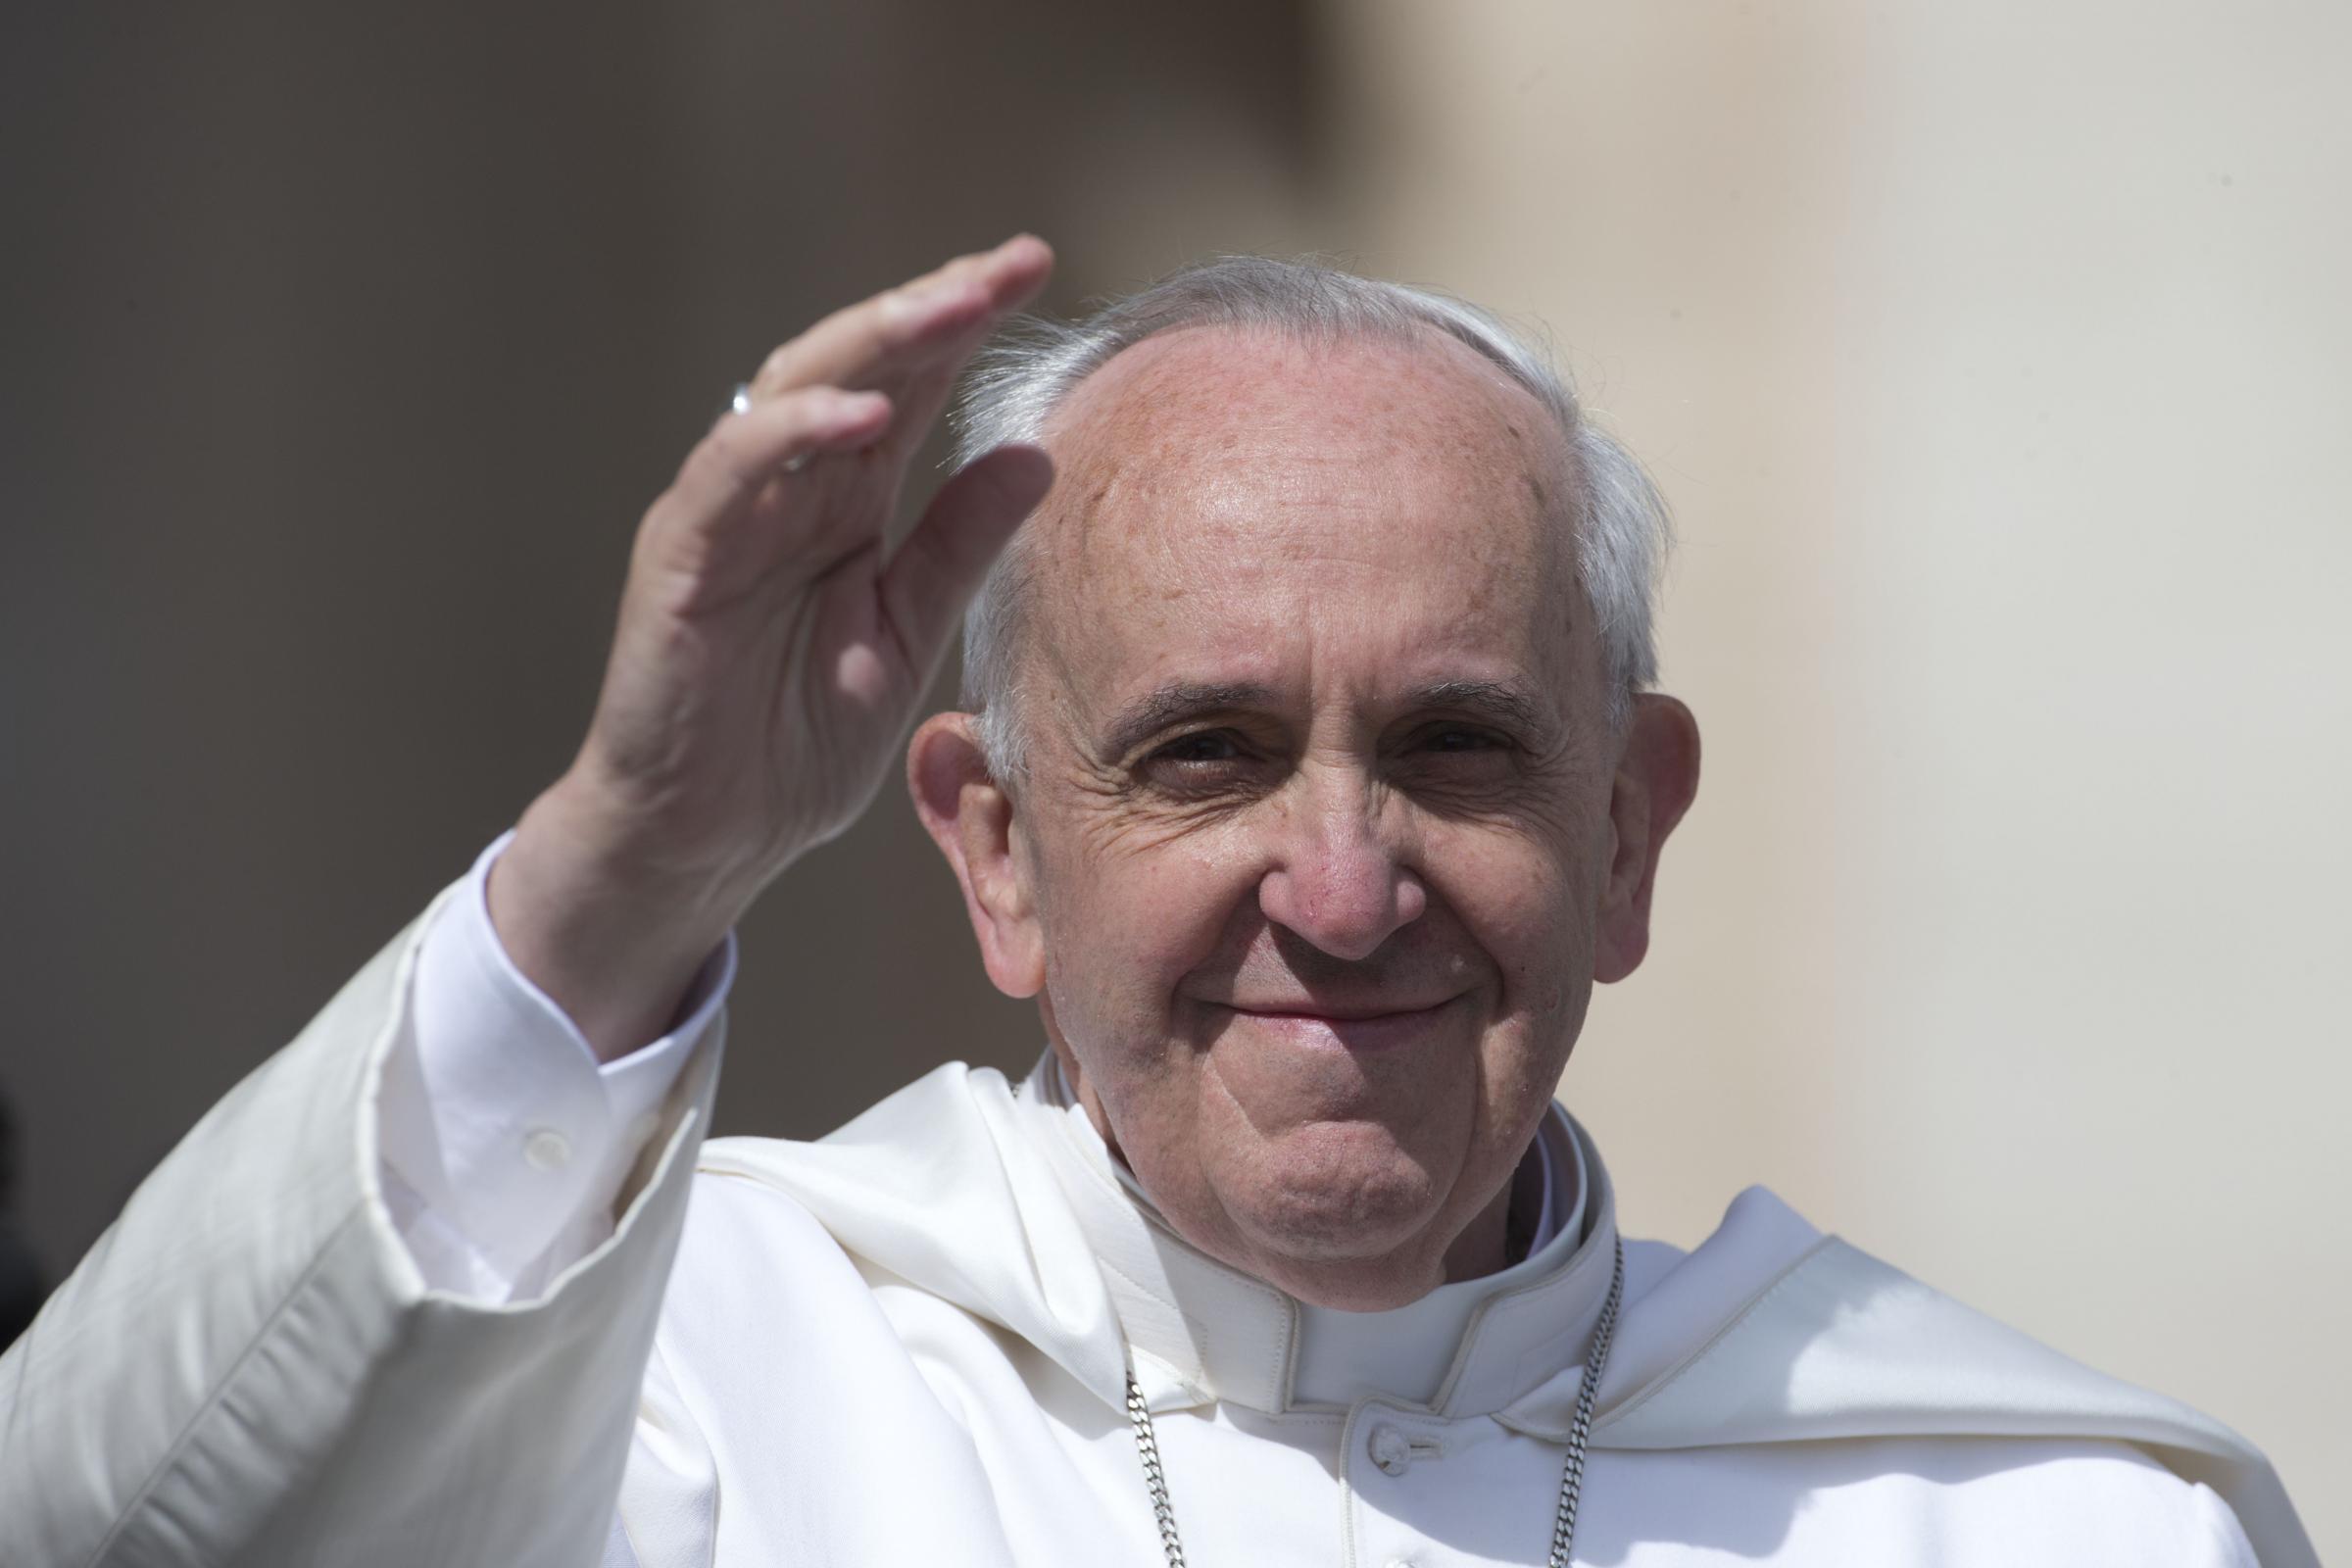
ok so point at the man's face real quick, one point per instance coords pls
(1316, 825)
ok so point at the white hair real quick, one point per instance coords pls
(1622, 529)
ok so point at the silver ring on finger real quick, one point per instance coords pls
(740, 401)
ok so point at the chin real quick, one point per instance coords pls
(1328, 1203)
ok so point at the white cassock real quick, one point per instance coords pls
(374, 1309)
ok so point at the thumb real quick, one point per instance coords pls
(939, 567)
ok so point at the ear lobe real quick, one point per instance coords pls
(1658, 778)
(970, 817)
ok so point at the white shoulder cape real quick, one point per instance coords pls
(1768, 1332)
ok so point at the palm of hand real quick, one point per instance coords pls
(769, 655)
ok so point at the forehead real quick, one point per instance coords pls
(1234, 498)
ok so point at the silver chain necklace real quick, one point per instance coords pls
(1572, 1475)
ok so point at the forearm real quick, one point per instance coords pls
(248, 1367)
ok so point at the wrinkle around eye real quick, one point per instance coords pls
(1196, 782)
(1502, 779)
(1461, 753)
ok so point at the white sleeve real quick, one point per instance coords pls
(249, 1368)
(503, 1141)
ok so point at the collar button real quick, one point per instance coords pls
(1390, 1450)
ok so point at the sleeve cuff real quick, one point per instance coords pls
(517, 1132)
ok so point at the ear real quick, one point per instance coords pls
(970, 817)
(1657, 775)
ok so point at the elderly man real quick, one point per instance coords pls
(1308, 782)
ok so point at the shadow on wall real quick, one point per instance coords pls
(20, 1286)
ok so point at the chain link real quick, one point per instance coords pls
(1147, 1444)
(1572, 1475)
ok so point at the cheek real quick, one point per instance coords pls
(1531, 904)
(1122, 928)
(1517, 892)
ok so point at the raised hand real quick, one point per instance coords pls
(769, 655)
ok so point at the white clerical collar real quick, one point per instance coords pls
(1407, 1350)
(1199, 1329)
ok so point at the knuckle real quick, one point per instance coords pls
(719, 461)
(789, 416)
(719, 451)
(775, 371)
(892, 318)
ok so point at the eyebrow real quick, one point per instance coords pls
(1165, 707)
(1493, 700)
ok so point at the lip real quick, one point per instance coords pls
(1349, 1030)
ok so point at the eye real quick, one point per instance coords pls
(1459, 738)
(1201, 745)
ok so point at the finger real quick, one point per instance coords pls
(939, 567)
(746, 451)
(1009, 273)
(941, 315)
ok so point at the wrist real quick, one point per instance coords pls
(613, 931)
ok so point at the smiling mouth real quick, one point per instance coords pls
(1350, 1030)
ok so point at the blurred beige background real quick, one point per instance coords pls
(1996, 359)
(1999, 360)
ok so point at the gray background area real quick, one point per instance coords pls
(345, 347)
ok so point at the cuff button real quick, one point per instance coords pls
(547, 1149)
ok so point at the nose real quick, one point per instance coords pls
(1335, 880)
